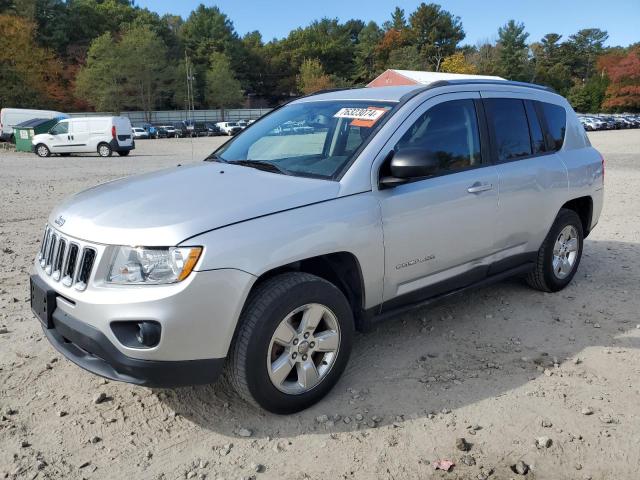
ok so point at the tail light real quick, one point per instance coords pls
(113, 131)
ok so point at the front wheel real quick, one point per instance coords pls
(42, 150)
(293, 342)
(560, 254)
(104, 150)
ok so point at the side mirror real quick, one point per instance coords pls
(410, 163)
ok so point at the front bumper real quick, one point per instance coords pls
(88, 348)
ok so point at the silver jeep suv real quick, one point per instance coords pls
(331, 212)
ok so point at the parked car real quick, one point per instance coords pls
(181, 129)
(10, 117)
(229, 128)
(264, 259)
(197, 129)
(242, 124)
(103, 135)
(161, 132)
(139, 133)
(212, 130)
(170, 130)
(149, 128)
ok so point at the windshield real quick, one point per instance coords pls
(315, 139)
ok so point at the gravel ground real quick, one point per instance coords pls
(542, 383)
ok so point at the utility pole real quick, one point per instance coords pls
(190, 103)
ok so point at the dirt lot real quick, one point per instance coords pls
(501, 367)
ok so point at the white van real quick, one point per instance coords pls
(103, 135)
(10, 117)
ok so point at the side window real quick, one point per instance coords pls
(556, 119)
(537, 137)
(508, 121)
(450, 131)
(60, 128)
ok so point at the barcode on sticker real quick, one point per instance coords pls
(371, 114)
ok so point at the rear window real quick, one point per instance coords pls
(509, 123)
(556, 119)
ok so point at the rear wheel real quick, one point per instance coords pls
(42, 150)
(123, 153)
(293, 342)
(104, 150)
(560, 254)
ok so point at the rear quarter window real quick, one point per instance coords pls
(556, 119)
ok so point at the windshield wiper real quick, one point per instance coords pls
(262, 165)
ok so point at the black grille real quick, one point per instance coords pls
(88, 256)
(72, 261)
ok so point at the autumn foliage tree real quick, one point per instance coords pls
(312, 77)
(623, 93)
(30, 76)
(457, 63)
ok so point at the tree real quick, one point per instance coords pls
(486, 58)
(513, 62)
(623, 93)
(584, 47)
(30, 76)
(457, 63)
(398, 20)
(223, 89)
(365, 57)
(312, 77)
(208, 30)
(435, 32)
(128, 73)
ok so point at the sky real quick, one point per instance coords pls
(480, 19)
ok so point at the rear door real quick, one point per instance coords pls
(532, 176)
(439, 231)
(79, 135)
(123, 131)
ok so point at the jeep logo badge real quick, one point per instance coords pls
(59, 221)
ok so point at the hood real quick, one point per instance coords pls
(166, 207)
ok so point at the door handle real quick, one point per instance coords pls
(479, 187)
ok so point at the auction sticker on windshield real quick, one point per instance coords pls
(362, 117)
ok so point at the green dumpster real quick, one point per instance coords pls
(25, 131)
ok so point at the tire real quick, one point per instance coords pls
(42, 150)
(551, 274)
(124, 153)
(254, 349)
(104, 150)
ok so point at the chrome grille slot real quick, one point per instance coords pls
(84, 272)
(70, 266)
(59, 260)
(43, 246)
(50, 253)
(67, 260)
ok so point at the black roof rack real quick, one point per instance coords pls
(483, 81)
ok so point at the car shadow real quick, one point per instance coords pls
(463, 349)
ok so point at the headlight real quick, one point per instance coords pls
(152, 266)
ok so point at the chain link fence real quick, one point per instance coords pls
(170, 116)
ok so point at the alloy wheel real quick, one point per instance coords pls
(303, 348)
(565, 252)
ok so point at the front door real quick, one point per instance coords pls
(439, 231)
(59, 137)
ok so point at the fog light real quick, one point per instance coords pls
(148, 334)
(137, 333)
